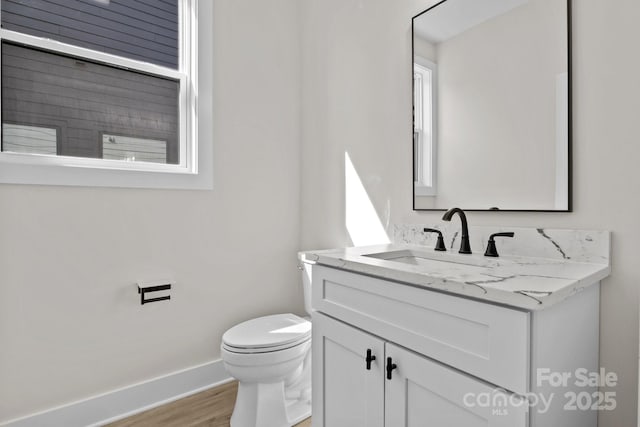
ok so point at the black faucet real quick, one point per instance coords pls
(465, 247)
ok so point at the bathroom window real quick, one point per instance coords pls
(424, 126)
(98, 85)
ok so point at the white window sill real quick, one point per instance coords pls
(74, 175)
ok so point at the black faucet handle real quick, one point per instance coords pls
(440, 243)
(502, 234)
(491, 244)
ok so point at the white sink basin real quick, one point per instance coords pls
(414, 257)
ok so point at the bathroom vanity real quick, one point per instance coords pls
(407, 336)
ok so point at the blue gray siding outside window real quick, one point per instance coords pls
(145, 30)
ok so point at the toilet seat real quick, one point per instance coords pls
(267, 334)
(242, 350)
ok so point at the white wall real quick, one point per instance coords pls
(71, 325)
(357, 98)
(425, 49)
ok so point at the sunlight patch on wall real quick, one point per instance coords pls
(361, 219)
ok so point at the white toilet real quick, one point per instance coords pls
(271, 358)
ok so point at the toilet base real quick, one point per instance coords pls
(264, 405)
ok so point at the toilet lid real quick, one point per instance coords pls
(267, 332)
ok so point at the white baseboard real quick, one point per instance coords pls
(115, 405)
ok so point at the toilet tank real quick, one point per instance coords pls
(306, 286)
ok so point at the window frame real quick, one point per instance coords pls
(37, 168)
(420, 188)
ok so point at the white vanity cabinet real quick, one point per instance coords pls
(458, 361)
(419, 392)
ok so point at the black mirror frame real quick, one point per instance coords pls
(569, 119)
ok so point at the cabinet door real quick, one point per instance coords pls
(345, 392)
(425, 393)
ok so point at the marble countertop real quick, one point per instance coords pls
(531, 283)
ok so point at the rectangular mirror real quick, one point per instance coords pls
(492, 105)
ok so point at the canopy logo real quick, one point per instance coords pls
(575, 391)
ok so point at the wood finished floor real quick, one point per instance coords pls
(210, 408)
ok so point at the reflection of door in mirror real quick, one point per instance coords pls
(491, 105)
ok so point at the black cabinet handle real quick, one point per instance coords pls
(369, 359)
(390, 367)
